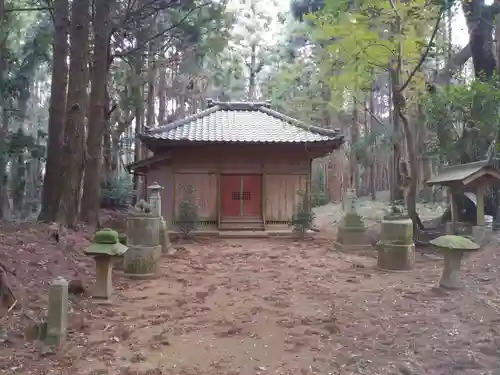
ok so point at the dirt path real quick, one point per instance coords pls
(283, 307)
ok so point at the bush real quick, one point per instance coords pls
(117, 192)
(303, 217)
(188, 219)
(319, 199)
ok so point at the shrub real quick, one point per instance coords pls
(319, 199)
(188, 219)
(117, 192)
(303, 217)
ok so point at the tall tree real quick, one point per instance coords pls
(57, 110)
(76, 104)
(96, 125)
(360, 42)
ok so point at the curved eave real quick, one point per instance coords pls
(328, 145)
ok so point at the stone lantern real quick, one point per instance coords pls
(453, 249)
(155, 203)
(155, 198)
(104, 248)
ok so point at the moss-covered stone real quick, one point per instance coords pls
(395, 257)
(143, 230)
(141, 261)
(105, 242)
(396, 251)
(397, 232)
(453, 248)
(454, 242)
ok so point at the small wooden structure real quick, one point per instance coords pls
(471, 177)
(245, 161)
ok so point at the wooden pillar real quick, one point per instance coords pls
(480, 204)
(454, 208)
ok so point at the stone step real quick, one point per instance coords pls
(243, 234)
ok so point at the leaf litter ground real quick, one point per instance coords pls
(271, 306)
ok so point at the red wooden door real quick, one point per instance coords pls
(252, 195)
(230, 189)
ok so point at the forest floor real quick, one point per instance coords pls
(273, 306)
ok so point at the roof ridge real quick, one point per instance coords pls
(477, 164)
(178, 123)
(300, 124)
(263, 107)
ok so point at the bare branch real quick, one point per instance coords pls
(452, 65)
(161, 33)
(33, 9)
(424, 55)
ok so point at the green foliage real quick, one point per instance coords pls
(188, 219)
(117, 193)
(462, 110)
(360, 44)
(303, 217)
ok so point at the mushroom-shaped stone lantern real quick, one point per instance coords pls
(105, 246)
(453, 248)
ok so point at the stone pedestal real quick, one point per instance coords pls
(103, 280)
(396, 250)
(450, 278)
(143, 230)
(141, 261)
(57, 315)
(351, 232)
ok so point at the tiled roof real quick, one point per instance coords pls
(457, 173)
(241, 122)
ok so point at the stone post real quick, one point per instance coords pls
(155, 202)
(396, 250)
(57, 316)
(103, 279)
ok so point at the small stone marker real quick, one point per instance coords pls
(105, 246)
(57, 315)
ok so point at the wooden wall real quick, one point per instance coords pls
(205, 194)
(285, 171)
(281, 195)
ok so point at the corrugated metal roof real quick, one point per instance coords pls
(455, 173)
(241, 122)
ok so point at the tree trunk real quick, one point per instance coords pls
(138, 98)
(150, 100)
(372, 164)
(396, 192)
(3, 128)
(480, 19)
(74, 132)
(252, 67)
(96, 126)
(354, 143)
(162, 92)
(4, 199)
(51, 192)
